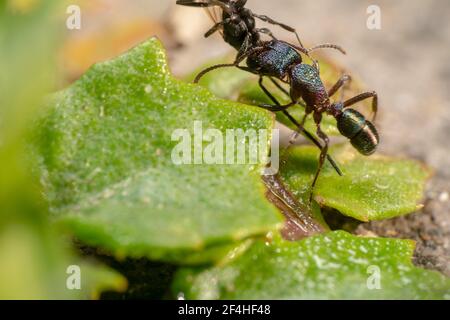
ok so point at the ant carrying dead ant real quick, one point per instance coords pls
(283, 61)
(238, 28)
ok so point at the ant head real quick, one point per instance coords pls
(362, 133)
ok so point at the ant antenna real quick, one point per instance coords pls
(327, 46)
(228, 65)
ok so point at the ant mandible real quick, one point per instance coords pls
(281, 60)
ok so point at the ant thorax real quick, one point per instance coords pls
(274, 59)
(306, 83)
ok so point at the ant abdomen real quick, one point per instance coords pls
(362, 133)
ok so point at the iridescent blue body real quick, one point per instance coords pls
(306, 84)
(274, 59)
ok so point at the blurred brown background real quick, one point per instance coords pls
(406, 62)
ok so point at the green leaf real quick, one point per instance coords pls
(33, 261)
(331, 266)
(372, 188)
(97, 279)
(34, 266)
(105, 147)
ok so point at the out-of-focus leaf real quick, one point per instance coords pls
(34, 266)
(33, 262)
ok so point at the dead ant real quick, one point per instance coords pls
(237, 24)
(283, 61)
(238, 28)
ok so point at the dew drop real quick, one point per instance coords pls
(148, 88)
(180, 296)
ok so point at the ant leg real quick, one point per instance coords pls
(323, 153)
(282, 25)
(191, 3)
(296, 134)
(344, 88)
(267, 92)
(301, 49)
(216, 27)
(300, 127)
(285, 91)
(341, 82)
(205, 4)
(364, 96)
(267, 31)
(247, 69)
(244, 48)
(279, 86)
(276, 108)
(274, 100)
(317, 143)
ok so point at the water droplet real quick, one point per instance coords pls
(180, 296)
(148, 88)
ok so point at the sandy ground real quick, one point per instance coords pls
(405, 62)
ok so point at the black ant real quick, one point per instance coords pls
(281, 60)
(238, 24)
(238, 27)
